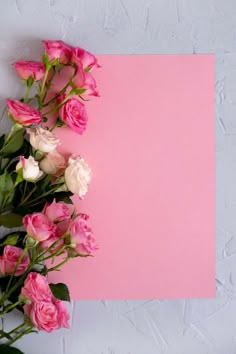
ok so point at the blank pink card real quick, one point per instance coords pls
(150, 144)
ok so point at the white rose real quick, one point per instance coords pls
(53, 164)
(77, 176)
(30, 169)
(42, 139)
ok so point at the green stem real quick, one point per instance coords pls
(10, 307)
(41, 196)
(28, 196)
(48, 86)
(62, 90)
(15, 330)
(54, 109)
(38, 258)
(26, 331)
(27, 91)
(58, 265)
(48, 68)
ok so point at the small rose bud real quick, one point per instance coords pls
(28, 169)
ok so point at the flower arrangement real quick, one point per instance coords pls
(36, 186)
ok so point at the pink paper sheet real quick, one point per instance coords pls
(150, 143)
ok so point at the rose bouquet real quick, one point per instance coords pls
(36, 186)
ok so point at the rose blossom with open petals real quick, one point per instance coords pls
(9, 259)
(87, 59)
(81, 236)
(58, 211)
(77, 175)
(36, 288)
(86, 81)
(74, 115)
(43, 309)
(42, 139)
(53, 164)
(23, 113)
(48, 316)
(90, 85)
(38, 226)
(26, 69)
(58, 50)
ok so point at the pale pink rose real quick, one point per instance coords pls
(74, 115)
(23, 113)
(36, 288)
(38, 226)
(87, 59)
(77, 176)
(48, 316)
(53, 164)
(9, 259)
(26, 69)
(58, 50)
(81, 236)
(29, 168)
(58, 211)
(42, 139)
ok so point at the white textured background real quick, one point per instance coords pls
(144, 26)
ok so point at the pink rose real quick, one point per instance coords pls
(48, 315)
(74, 115)
(58, 50)
(62, 227)
(9, 259)
(86, 81)
(38, 226)
(90, 85)
(62, 314)
(87, 59)
(57, 211)
(79, 79)
(44, 245)
(26, 69)
(53, 164)
(23, 113)
(36, 288)
(81, 236)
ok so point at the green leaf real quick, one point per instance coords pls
(6, 187)
(78, 91)
(60, 197)
(2, 138)
(14, 144)
(60, 291)
(5, 349)
(10, 220)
